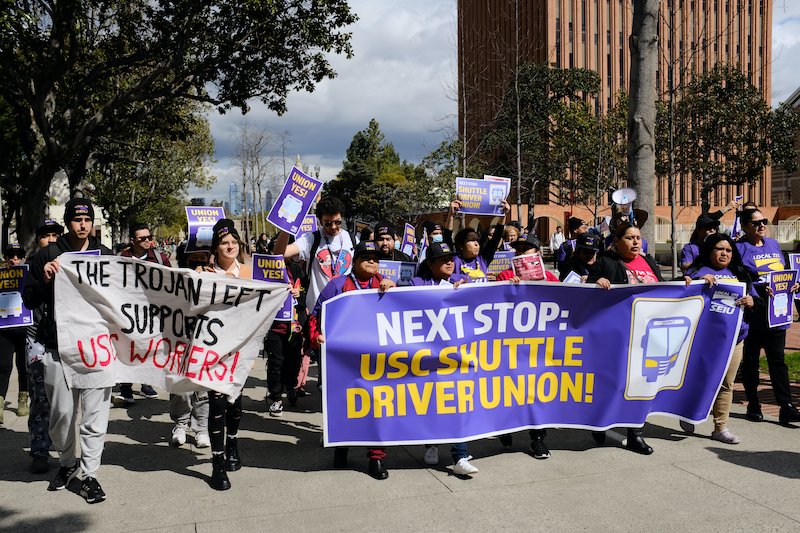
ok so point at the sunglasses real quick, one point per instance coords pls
(330, 223)
(758, 223)
(16, 256)
(145, 238)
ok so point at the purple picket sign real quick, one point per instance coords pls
(13, 312)
(436, 365)
(501, 262)
(309, 225)
(201, 226)
(290, 209)
(400, 272)
(779, 310)
(273, 268)
(409, 240)
(481, 197)
(794, 264)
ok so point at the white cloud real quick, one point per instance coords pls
(785, 49)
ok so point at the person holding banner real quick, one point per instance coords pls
(624, 264)
(65, 402)
(719, 260)
(438, 268)
(364, 276)
(12, 342)
(762, 255)
(473, 258)
(587, 246)
(226, 258)
(387, 244)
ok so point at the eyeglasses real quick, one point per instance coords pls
(145, 238)
(757, 223)
(330, 223)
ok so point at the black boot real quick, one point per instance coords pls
(340, 458)
(788, 414)
(377, 470)
(754, 412)
(506, 440)
(233, 461)
(637, 444)
(219, 479)
(599, 436)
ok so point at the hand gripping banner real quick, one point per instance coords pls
(126, 320)
(437, 365)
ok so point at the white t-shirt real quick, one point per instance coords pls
(333, 258)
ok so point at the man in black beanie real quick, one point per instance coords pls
(64, 402)
(386, 244)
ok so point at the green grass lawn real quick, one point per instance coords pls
(792, 361)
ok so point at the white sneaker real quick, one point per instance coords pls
(725, 436)
(688, 427)
(276, 408)
(463, 468)
(178, 435)
(432, 455)
(201, 440)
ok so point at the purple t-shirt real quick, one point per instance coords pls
(761, 260)
(475, 269)
(689, 253)
(720, 275)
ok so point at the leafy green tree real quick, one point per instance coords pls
(726, 133)
(77, 72)
(141, 174)
(550, 112)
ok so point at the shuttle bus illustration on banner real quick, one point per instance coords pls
(661, 345)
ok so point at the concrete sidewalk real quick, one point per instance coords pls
(288, 482)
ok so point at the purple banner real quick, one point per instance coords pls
(201, 226)
(273, 268)
(481, 197)
(309, 225)
(13, 312)
(438, 365)
(400, 272)
(779, 310)
(409, 240)
(290, 209)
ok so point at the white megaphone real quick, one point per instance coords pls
(624, 199)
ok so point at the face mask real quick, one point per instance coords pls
(396, 245)
(437, 238)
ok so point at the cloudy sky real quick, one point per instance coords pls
(403, 74)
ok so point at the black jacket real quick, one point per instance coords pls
(611, 267)
(396, 255)
(40, 294)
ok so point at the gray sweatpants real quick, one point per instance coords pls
(94, 405)
(190, 407)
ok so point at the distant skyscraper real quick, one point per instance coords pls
(233, 199)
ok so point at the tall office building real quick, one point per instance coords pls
(496, 35)
(233, 199)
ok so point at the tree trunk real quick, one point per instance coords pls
(705, 194)
(642, 110)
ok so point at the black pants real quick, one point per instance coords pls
(773, 341)
(283, 362)
(221, 416)
(39, 419)
(12, 341)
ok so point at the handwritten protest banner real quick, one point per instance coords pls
(122, 319)
(290, 209)
(428, 365)
(13, 312)
(779, 311)
(309, 225)
(400, 272)
(201, 226)
(481, 197)
(273, 268)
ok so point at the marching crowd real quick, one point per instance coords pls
(326, 262)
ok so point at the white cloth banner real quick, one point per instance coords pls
(125, 320)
